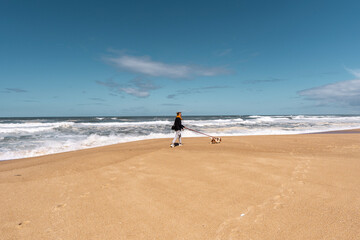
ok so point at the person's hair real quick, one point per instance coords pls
(178, 113)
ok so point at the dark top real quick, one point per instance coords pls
(177, 124)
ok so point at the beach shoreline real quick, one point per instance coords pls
(347, 131)
(303, 186)
(31, 137)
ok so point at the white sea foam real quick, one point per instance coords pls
(94, 140)
(32, 127)
(214, 122)
(109, 124)
(28, 138)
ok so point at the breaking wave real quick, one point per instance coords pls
(29, 137)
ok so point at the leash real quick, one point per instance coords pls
(198, 132)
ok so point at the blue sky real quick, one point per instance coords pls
(86, 58)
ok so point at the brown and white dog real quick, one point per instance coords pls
(215, 140)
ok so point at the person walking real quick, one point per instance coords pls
(177, 127)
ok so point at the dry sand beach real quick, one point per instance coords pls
(253, 187)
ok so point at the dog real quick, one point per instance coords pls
(215, 140)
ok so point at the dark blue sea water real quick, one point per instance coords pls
(26, 137)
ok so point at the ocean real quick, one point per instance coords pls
(29, 137)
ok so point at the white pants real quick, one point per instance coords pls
(177, 135)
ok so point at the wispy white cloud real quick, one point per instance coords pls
(270, 80)
(355, 72)
(223, 52)
(137, 87)
(91, 104)
(340, 93)
(146, 66)
(137, 92)
(98, 99)
(14, 90)
(171, 104)
(248, 56)
(190, 91)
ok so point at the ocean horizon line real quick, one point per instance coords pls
(173, 115)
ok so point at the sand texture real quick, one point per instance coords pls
(255, 187)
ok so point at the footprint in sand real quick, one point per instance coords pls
(22, 224)
(259, 217)
(249, 209)
(276, 197)
(85, 195)
(291, 191)
(230, 229)
(59, 206)
(278, 205)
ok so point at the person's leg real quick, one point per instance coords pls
(176, 136)
(180, 137)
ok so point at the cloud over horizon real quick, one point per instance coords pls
(341, 93)
(137, 87)
(146, 66)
